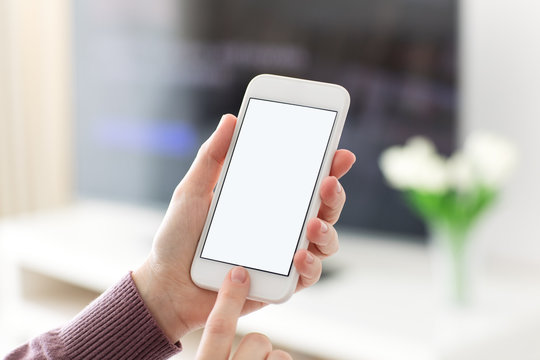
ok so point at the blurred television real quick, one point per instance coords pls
(154, 77)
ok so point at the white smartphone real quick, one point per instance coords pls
(282, 148)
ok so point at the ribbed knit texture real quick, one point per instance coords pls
(117, 325)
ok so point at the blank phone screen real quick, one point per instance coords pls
(268, 186)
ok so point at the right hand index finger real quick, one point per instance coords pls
(220, 328)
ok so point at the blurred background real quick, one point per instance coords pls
(103, 105)
(153, 80)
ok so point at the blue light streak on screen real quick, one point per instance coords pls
(163, 137)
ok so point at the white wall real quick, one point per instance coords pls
(500, 83)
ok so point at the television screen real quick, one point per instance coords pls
(153, 79)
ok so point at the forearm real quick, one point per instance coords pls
(161, 305)
(116, 325)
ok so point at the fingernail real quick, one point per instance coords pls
(324, 227)
(239, 275)
(339, 188)
(309, 258)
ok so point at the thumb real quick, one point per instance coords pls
(204, 172)
(220, 328)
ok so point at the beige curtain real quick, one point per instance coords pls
(35, 105)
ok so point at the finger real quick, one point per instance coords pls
(332, 200)
(279, 355)
(219, 332)
(309, 268)
(204, 172)
(323, 236)
(342, 163)
(253, 346)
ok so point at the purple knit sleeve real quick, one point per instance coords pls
(117, 325)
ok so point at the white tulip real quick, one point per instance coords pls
(492, 157)
(485, 160)
(461, 172)
(431, 176)
(414, 166)
(420, 145)
(395, 167)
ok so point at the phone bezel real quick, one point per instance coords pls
(265, 286)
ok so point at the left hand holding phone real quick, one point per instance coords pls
(164, 281)
(219, 332)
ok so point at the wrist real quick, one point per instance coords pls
(160, 302)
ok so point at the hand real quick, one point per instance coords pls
(164, 280)
(220, 328)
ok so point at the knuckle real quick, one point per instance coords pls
(343, 195)
(313, 280)
(335, 211)
(331, 250)
(203, 150)
(333, 245)
(208, 154)
(306, 282)
(219, 325)
(313, 277)
(339, 199)
(333, 201)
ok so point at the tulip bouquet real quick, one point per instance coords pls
(450, 194)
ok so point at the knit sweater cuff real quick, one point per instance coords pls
(117, 325)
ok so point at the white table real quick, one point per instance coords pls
(377, 302)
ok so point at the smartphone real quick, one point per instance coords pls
(282, 148)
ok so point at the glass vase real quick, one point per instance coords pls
(452, 263)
